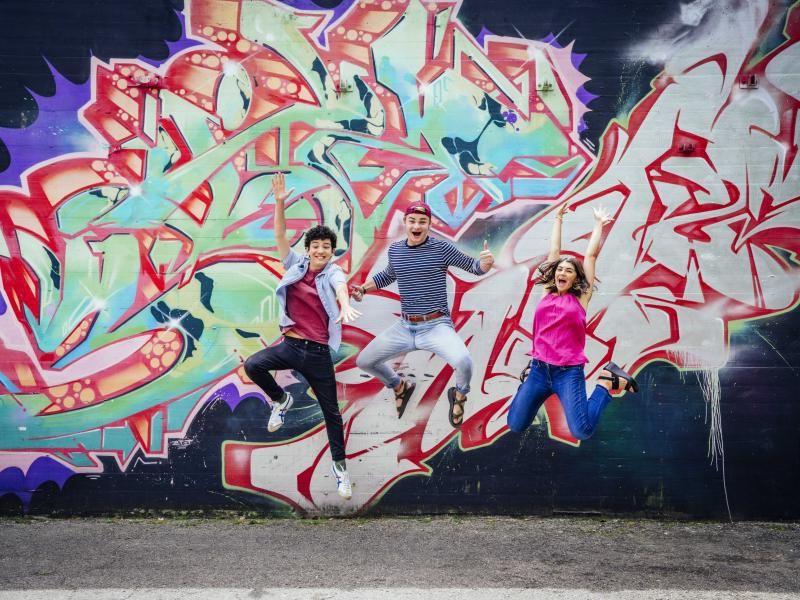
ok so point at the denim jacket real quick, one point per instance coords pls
(330, 278)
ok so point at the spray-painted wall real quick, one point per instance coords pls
(139, 265)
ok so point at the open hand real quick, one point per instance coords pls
(279, 187)
(347, 314)
(601, 215)
(486, 257)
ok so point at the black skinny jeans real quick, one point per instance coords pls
(313, 361)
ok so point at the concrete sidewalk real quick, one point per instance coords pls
(440, 557)
(388, 593)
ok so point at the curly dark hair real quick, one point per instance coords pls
(547, 275)
(320, 232)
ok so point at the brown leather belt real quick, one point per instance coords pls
(422, 318)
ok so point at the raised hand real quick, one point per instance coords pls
(279, 187)
(561, 211)
(486, 257)
(601, 215)
(347, 314)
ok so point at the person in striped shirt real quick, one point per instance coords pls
(419, 264)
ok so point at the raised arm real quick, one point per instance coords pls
(601, 218)
(555, 236)
(280, 194)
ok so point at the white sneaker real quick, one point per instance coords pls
(342, 482)
(278, 415)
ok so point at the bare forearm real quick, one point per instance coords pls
(594, 241)
(280, 218)
(347, 313)
(555, 239)
(279, 228)
(342, 296)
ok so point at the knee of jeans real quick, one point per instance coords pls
(362, 362)
(463, 363)
(581, 432)
(250, 367)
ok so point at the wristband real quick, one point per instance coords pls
(363, 290)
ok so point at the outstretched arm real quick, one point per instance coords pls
(379, 280)
(555, 236)
(346, 312)
(357, 291)
(454, 257)
(280, 194)
(601, 218)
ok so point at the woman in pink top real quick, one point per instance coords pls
(559, 337)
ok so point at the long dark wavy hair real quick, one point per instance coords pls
(547, 275)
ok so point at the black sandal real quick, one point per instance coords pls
(617, 375)
(404, 396)
(451, 397)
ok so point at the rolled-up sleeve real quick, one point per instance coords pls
(292, 259)
(338, 278)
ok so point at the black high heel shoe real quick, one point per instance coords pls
(617, 375)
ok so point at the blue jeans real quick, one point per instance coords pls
(437, 336)
(569, 385)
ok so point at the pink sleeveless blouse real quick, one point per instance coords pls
(559, 330)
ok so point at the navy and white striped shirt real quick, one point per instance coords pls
(420, 272)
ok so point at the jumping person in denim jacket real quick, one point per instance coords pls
(559, 338)
(311, 323)
(419, 265)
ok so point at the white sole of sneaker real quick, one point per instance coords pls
(273, 427)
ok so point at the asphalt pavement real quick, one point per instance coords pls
(430, 557)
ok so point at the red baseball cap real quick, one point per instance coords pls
(418, 208)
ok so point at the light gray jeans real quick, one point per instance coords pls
(437, 336)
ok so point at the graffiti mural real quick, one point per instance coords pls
(139, 266)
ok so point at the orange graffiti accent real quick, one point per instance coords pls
(158, 354)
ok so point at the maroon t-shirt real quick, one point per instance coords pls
(304, 307)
